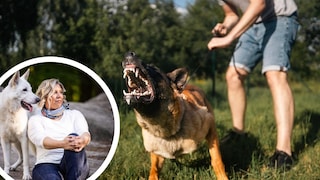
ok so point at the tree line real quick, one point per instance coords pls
(98, 33)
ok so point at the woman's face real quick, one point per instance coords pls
(55, 101)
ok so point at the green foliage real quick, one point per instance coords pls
(17, 19)
(99, 33)
(244, 161)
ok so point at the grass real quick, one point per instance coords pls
(246, 161)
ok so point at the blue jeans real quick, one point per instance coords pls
(270, 42)
(73, 166)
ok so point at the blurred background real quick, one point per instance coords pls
(167, 33)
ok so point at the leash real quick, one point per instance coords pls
(207, 57)
(197, 67)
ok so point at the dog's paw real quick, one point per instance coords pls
(13, 168)
(26, 177)
(153, 177)
(6, 170)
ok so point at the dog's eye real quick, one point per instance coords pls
(25, 89)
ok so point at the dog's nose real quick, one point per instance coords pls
(130, 54)
(129, 58)
(37, 99)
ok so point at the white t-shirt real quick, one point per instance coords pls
(40, 127)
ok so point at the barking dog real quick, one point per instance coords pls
(15, 101)
(175, 118)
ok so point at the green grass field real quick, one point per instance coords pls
(245, 161)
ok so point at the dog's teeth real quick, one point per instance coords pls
(137, 72)
(128, 101)
(146, 93)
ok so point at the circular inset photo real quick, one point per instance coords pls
(56, 113)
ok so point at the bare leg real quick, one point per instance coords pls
(236, 97)
(283, 108)
(156, 165)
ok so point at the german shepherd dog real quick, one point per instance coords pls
(175, 117)
(15, 102)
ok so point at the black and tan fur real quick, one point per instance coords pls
(175, 117)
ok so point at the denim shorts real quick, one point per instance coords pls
(270, 42)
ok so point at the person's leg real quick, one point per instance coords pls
(74, 165)
(236, 97)
(245, 57)
(45, 171)
(283, 108)
(279, 39)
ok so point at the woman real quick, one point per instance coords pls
(60, 136)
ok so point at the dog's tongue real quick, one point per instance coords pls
(26, 106)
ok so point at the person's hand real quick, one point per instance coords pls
(219, 42)
(219, 30)
(69, 143)
(79, 143)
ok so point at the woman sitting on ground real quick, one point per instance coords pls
(60, 136)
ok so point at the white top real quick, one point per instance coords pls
(40, 127)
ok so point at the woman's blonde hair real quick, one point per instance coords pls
(46, 89)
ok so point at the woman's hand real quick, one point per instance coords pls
(71, 142)
(79, 142)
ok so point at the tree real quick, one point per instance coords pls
(151, 31)
(17, 19)
(305, 55)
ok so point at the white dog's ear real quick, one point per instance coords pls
(26, 74)
(15, 79)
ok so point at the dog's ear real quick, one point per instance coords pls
(179, 77)
(26, 74)
(15, 79)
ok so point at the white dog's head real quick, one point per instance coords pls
(21, 91)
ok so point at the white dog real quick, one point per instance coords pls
(15, 102)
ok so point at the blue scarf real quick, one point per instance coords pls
(53, 114)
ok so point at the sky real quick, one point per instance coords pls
(182, 4)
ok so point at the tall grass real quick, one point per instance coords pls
(245, 161)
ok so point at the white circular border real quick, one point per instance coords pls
(55, 59)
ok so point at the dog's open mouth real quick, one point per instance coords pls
(139, 87)
(26, 106)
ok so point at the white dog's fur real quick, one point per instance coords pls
(15, 102)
